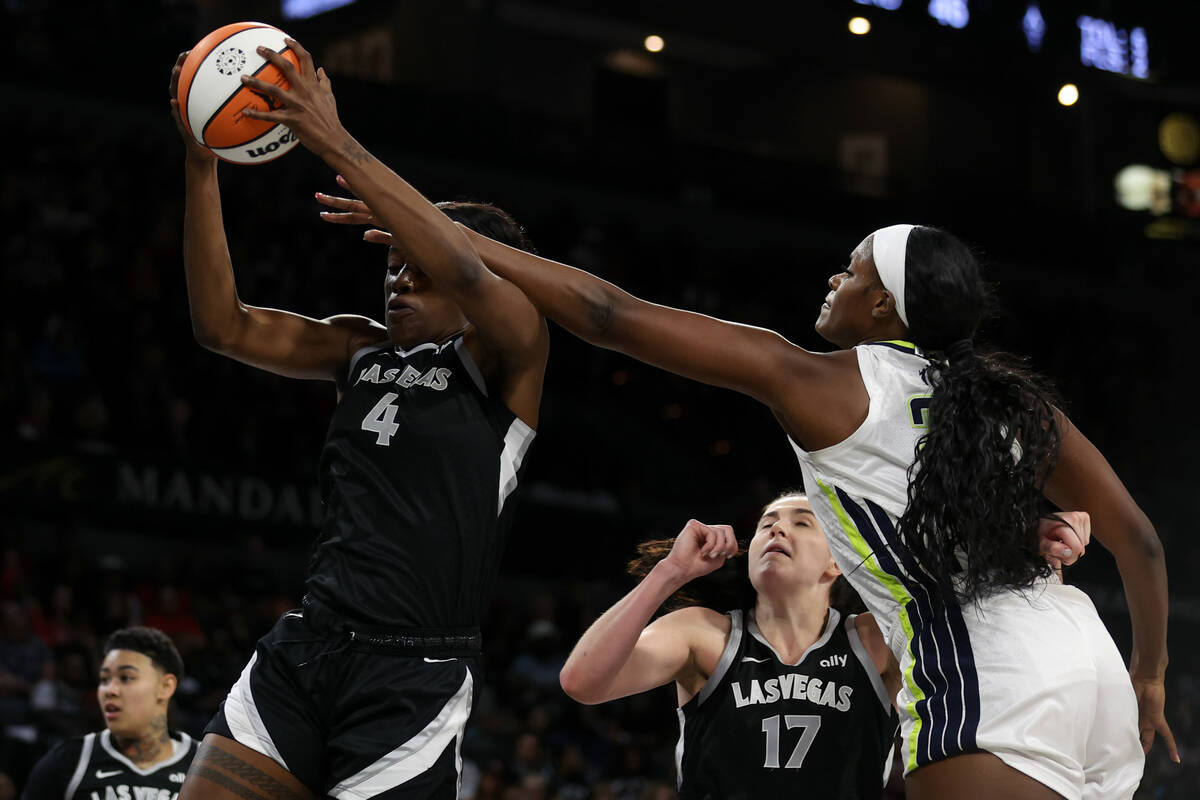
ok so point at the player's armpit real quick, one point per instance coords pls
(294, 345)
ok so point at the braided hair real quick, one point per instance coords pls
(975, 485)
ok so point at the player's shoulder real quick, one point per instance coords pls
(868, 632)
(698, 621)
(68, 750)
(364, 331)
(52, 772)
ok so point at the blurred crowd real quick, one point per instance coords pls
(96, 357)
(527, 740)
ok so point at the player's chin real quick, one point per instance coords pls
(405, 334)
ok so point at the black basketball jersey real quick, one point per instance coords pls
(418, 474)
(760, 728)
(91, 768)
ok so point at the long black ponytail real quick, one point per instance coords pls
(975, 486)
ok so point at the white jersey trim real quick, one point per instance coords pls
(830, 626)
(358, 354)
(464, 355)
(180, 746)
(245, 723)
(679, 750)
(416, 755)
(85, 756)
(736, 627)
(516, 443)
(864, 658)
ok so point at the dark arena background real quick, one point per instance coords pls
(729, 167)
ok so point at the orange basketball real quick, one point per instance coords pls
(212, 97)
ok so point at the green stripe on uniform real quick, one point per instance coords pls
(893, 585)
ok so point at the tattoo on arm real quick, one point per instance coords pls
(226, 783)
(261, 786)
(355, 152)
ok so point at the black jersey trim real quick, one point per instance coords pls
(830, 626)
(85, 757)
(737, 626)
(180, 741)
(901, 346)
(464, 355)
(864, 658)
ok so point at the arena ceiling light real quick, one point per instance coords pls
(860, 26)
(654, 43)
(1068, 95)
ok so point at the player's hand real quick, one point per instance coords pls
(196, 152)
(352, 211)
(1064, 537)
(1151, 697)
(307, 107)
(700, 549)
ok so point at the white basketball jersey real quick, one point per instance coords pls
(858, 487)
(1008, 676)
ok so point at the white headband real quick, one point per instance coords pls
(890, 245)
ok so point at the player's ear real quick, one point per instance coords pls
(167, 686)
(885, 303)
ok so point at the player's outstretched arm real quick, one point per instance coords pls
(748, 359)
(509, 324)
(618, 655)
(741, 357)
(1083, 479)
(278, 341)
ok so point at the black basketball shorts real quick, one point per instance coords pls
(352, 716)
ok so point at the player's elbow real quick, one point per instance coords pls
(1148, 543)
(465, 274)
(218, 336)
(577, 687)
(208, 337)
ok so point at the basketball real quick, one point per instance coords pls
(212, 96)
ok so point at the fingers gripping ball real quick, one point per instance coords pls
(212, 97)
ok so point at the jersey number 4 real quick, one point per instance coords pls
(381, 419)
(811, 723)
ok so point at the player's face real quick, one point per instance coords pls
(789, 548)
(845, 318)
(132, 692)
(415, 310)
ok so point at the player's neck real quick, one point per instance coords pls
(153, 746)
(793, 623)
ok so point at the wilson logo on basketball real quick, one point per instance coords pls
(212, 96)
(271, 147)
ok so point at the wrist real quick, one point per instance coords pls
(1147, 671)
(344, 152)
(200, 164)
(672, 575)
